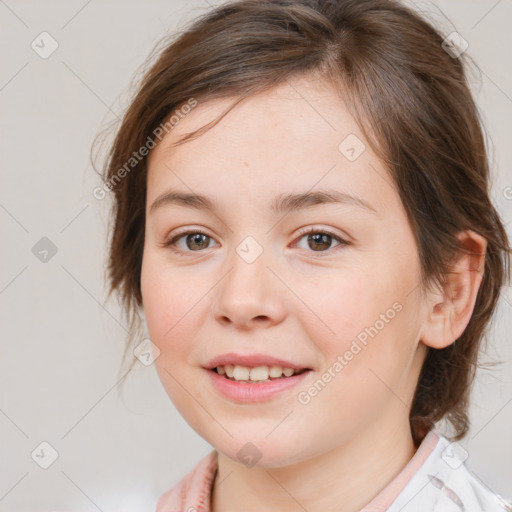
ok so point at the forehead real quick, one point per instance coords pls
(298, 112)
(289, 138)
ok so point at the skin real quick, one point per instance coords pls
(295, 301)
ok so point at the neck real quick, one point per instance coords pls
(344, 479)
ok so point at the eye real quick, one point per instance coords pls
(195, 240)
(320, 239)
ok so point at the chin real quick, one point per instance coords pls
(258, 451)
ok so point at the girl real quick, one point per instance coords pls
(302, 215)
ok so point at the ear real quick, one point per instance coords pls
(450, 309)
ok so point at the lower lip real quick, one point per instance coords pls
(257, 392)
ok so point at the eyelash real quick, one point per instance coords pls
(306, 231)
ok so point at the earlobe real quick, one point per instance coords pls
(450, 308)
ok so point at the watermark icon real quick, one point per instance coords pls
(44, 455)
(44, 45)
(249, 454)
(146, 352)
(249, 249)
(351, 147)
(507, 193)
(356, 346)
(44, 250)
(454, 45)
(137, 156)
(454, 455)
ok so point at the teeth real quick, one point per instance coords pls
(241, 373)
(259, 373)
(275, 371)
(256, 374)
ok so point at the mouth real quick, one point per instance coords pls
(245, 384)
(254, 377)
(256, 374)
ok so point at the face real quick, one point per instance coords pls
(323, 285)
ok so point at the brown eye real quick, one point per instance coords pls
(319, 240)
(195, 241)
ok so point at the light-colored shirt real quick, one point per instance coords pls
(434, 480)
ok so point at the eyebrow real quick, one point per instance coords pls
(283, 203)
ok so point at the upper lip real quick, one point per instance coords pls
(251, 360)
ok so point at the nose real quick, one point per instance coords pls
(249, 295)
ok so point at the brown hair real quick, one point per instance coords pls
(412, 102)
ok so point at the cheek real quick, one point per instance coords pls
(172, 320)
(369, 315)
(169, 301)
(344, 305)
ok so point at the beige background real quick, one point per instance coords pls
(61, 347)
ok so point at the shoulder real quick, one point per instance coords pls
(444, 483)
(193, 491)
